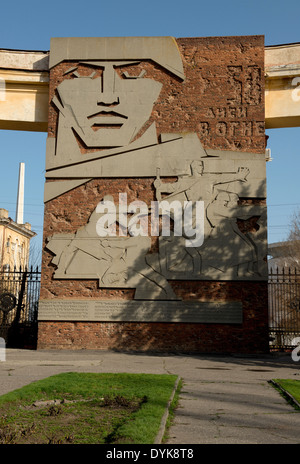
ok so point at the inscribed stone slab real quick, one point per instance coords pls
(144, 311)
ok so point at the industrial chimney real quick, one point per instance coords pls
(20, 199)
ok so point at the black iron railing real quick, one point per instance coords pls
(20, 290)
(284, 308)
(19, 297)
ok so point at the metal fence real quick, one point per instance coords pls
(20, 290)
(19, 297)
(284, 308)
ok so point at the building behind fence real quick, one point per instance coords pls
(19, 297)
(14, 242)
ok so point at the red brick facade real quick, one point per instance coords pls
(222, 100)
(249, 337)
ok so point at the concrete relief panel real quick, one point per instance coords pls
(227, 251)
(232, 247)
(104, 104)
(117, 262)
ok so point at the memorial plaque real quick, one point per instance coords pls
(145, 311)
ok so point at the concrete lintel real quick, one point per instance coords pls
(278, 55)
(24, 90)
(24, 95)
(24, 76)
(26, 60)
(282, 91)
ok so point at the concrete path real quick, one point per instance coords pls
(224, 400)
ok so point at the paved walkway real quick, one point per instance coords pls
(224, 400)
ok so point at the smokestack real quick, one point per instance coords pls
(20, 199)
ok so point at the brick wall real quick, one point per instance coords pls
(249, 337)
(222, 97)
(222, 100)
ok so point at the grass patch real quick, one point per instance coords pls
(82, 408)
(290, 390)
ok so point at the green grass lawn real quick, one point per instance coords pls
(290, 386)
(89, 409)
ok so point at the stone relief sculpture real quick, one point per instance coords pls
(226, 251)
(119, 262)
(220, 220)
(104, 107)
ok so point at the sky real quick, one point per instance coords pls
(30, 25)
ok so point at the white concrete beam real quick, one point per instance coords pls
(24, 88)
(282, 92)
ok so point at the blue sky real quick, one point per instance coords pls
(30, 25)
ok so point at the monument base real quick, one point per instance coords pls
(224, 327)
(138, 128)
(151, 337)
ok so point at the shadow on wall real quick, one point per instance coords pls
(162, 272)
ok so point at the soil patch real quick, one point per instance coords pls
(87, 421)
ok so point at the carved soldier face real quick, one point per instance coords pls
(107, 106)
(197, 168)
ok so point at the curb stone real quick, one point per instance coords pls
(163, 423)
(286, 393)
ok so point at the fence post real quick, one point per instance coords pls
(21, 296)
(2, 349)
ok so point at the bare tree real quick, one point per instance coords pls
(293, 242)
(35, 255)
(284, 285)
